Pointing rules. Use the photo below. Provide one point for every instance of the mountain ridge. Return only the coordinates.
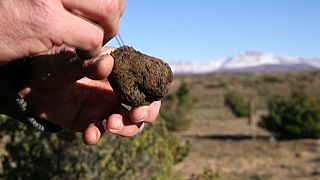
(248, 61)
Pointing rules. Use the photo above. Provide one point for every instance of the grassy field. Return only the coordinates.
(232, 149)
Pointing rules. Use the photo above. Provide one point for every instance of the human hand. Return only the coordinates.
(75, 94)
(29, 27)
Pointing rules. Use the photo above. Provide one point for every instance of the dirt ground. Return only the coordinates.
(228, 148)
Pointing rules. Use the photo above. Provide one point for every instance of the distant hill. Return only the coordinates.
(250, 61)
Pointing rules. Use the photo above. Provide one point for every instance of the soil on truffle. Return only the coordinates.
(138, 79)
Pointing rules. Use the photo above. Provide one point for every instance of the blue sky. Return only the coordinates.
(191, 30)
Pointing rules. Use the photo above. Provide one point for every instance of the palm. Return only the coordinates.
(75, 106)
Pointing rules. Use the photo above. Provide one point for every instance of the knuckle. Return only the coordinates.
(95, 41)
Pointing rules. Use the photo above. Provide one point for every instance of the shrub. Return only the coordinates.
(176, 108)
(207, 174)
(296, 116)
(33, 154)
(180, 149)
(236, 103)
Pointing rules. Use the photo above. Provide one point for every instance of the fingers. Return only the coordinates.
(100, 67)
(80, 33)
(61, 67)
(83, 54)
(106, 13)
(96, 68)
(121, 124)
(91, 134)
(124, 123)
(146, 113)
(131, 123)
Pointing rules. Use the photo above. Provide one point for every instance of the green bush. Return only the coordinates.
(207, 174)
(176, 108)
(180, 149)
(296, 116)
(33, 154)
(237, 104)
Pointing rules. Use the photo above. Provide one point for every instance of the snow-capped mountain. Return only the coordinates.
(250, 61)
(196, 67)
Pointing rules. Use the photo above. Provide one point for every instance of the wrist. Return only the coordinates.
(12, 77)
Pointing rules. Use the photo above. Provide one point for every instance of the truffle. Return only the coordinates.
(138, 79)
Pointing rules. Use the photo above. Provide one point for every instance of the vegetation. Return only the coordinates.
(26, 153)
(297, 116)
(176, 109)
(207, 174)
(151, 155)
(63, 155)
(237, 103)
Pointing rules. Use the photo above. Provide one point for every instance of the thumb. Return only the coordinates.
(100, 67)
(62, 66)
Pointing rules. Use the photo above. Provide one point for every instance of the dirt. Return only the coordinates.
(226, 145)
(138, 79)
(229, 149)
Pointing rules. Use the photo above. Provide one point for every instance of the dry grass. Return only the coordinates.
(225, 144)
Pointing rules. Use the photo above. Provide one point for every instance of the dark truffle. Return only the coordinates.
(138, 79)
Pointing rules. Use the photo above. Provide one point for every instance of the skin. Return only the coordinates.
(76, 96)
(30, 27)
(72, 101)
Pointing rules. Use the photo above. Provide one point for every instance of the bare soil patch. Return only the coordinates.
(228, 149)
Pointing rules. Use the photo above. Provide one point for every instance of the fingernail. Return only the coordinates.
(116, 125)
(95, 137)
(143, 115)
